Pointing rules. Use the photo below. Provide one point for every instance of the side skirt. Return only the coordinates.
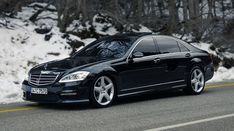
(151, 90)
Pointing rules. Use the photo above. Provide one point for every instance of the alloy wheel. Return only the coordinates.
(197, 80)
(103, 90)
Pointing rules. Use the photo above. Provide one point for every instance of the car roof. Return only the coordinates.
(139, 35)
(132, 34)
(147, 34)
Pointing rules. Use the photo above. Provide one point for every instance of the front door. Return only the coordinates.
(143, 71)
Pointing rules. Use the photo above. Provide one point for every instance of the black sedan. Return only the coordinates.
(118, 66)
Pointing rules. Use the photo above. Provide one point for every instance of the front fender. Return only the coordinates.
(110, 72)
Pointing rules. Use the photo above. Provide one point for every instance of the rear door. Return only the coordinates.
(174, 57)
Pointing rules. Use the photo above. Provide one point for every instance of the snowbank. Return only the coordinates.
(223, 74)
(20, 50)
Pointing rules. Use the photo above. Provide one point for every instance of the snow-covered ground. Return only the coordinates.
(21, 48)
(223, 74)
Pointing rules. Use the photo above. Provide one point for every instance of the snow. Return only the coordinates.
(20, 50)
(223, 74)
(229, 13)
(88, 40)
(43, 5)
(180, 12)
(99, 27)
(142, 29)
(76, 26)
(185, 37)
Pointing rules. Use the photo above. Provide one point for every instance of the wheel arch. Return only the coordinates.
(193, 62)
(112, 74)
(196, 62)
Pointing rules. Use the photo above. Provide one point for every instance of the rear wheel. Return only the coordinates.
(103, 92)
(196, 81)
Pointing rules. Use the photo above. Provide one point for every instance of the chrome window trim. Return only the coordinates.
(140, 39)
(133, 49)
(155, 42)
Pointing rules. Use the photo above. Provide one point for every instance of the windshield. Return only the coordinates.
(106, 49)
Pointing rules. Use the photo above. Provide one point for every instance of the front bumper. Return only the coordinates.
(57, 93)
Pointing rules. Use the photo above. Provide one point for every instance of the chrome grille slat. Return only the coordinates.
(32, 81)
(43, 78)
(44, 81)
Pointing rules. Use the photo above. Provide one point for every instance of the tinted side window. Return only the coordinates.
(167, 45)
(146, 46)
(183, 48)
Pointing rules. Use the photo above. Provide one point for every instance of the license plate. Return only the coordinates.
(42, 91)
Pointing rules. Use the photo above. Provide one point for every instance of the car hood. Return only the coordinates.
(68, 63)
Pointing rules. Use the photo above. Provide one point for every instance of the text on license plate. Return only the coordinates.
(39, 91)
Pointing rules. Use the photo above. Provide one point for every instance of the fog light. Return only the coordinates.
(68, 93)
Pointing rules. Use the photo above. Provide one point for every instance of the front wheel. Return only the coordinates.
(102, 92)
(196, 81)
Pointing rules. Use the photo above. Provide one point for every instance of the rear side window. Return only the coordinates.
(146, 46)
(167, 45)
(183, 48)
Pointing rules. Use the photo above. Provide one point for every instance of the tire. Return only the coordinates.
(195, 81)
(102, 92)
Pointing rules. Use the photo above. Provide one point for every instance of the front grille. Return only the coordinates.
(43, 77)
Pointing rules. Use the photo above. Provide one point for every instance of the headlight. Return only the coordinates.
(76, 76)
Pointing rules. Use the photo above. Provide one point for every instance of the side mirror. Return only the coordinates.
(137, 54)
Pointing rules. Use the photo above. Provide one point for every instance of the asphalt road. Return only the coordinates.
(211, 111)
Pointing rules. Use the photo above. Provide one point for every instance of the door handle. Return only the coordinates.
(157, 60)
(187, 55)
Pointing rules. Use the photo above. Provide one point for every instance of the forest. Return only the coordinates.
(206, 20)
